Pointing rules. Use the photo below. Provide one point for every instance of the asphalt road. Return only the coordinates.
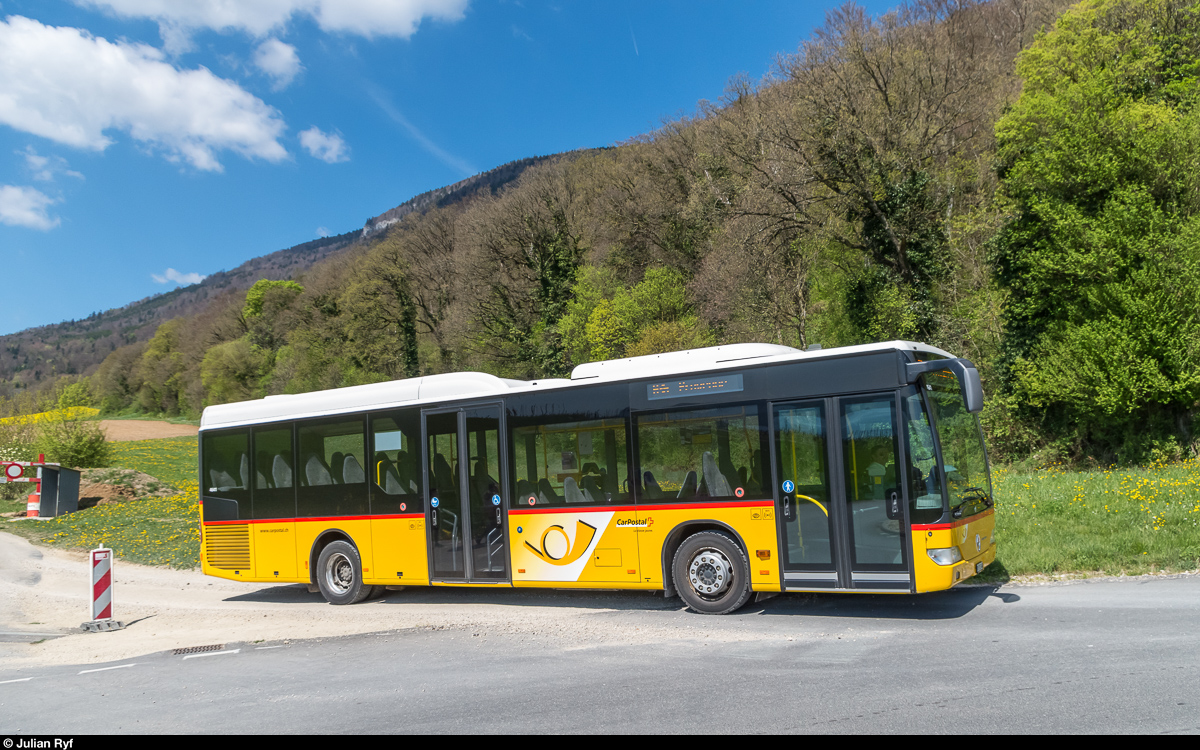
(1089, 657)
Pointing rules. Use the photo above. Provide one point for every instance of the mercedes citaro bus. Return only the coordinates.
(710, 473)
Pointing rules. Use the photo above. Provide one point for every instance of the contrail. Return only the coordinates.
(443, 156)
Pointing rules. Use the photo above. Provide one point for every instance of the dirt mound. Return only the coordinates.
(107, 486)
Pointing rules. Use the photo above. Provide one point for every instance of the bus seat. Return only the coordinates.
(591, 489)
(688, 488)
(571, 490)
(316, 472)
(261, 480)
(525, 490)
(245, 472)
(725, 466)
(352, 472)
(443, 477)
(651, 486)
(718, 485)
(281, 470)
(547, 492)
(391, 483)
(591, 467)
(222, 481)
(336, 462)
(406, 473)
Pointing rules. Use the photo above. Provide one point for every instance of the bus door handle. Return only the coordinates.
(434, 519)
(787, 507)
(893, 505)
(498, 522)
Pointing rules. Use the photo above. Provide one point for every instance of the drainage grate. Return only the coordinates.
(197, 649)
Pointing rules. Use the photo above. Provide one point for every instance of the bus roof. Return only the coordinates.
(460, 385)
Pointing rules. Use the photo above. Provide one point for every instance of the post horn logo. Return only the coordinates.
(557, 549)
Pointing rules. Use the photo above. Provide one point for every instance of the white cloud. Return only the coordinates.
(26, 207)
(324, 232)
(278, 60)
(179, 278)
(63, 84)
(328, 147)
(46, 168)
(369, 18)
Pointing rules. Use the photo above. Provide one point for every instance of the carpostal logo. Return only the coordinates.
(635, 523)
(557, 549)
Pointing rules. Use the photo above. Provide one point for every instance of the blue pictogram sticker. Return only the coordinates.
(434, 502)
(788, 486)
(495, 499)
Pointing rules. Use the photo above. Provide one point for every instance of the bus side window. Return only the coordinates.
(329, 461)
(570, 462)
(226, 475)
(274, 493)
(394, 471)
(705, 454)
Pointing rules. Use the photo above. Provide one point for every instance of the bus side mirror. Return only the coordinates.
(963, 370)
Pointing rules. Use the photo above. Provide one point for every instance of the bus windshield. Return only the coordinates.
(963, 455)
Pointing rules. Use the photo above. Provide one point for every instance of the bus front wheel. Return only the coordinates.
(339, 574)
(711, 573)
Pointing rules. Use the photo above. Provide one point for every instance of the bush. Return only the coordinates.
(81, 445)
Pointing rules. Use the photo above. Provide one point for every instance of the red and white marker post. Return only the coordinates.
(102, 593)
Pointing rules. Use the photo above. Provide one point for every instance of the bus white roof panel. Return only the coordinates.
(451, 386)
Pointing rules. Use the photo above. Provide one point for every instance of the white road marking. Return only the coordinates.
(105, 669)
(211, 653)
(23, 679)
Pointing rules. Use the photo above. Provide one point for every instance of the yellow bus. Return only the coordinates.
(709, 474)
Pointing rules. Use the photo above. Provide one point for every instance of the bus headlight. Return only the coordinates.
(944, 555)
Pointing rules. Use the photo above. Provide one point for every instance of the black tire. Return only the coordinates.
(339, 574)
(711, 573)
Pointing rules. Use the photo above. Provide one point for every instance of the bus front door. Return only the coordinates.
(840, 504)
(465, 499)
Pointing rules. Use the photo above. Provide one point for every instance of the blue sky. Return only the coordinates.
(146, 143)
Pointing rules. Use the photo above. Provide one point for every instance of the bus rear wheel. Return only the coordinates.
(339, 574)
(711, 573)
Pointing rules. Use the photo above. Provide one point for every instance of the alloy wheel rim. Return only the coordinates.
(710, 573)
(339, 573)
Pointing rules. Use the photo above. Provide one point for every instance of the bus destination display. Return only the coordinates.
(693, 387)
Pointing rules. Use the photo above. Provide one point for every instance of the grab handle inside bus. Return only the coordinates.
(968, 378)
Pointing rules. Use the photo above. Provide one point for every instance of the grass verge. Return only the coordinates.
(154, 531)
(1104, 522)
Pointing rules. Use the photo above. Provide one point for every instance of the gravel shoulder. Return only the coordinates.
(44, 591)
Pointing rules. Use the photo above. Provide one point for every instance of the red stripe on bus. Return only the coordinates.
(519, 511)
(954, 525)
(315, 518)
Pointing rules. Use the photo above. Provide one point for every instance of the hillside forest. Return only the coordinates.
(1014, 181)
